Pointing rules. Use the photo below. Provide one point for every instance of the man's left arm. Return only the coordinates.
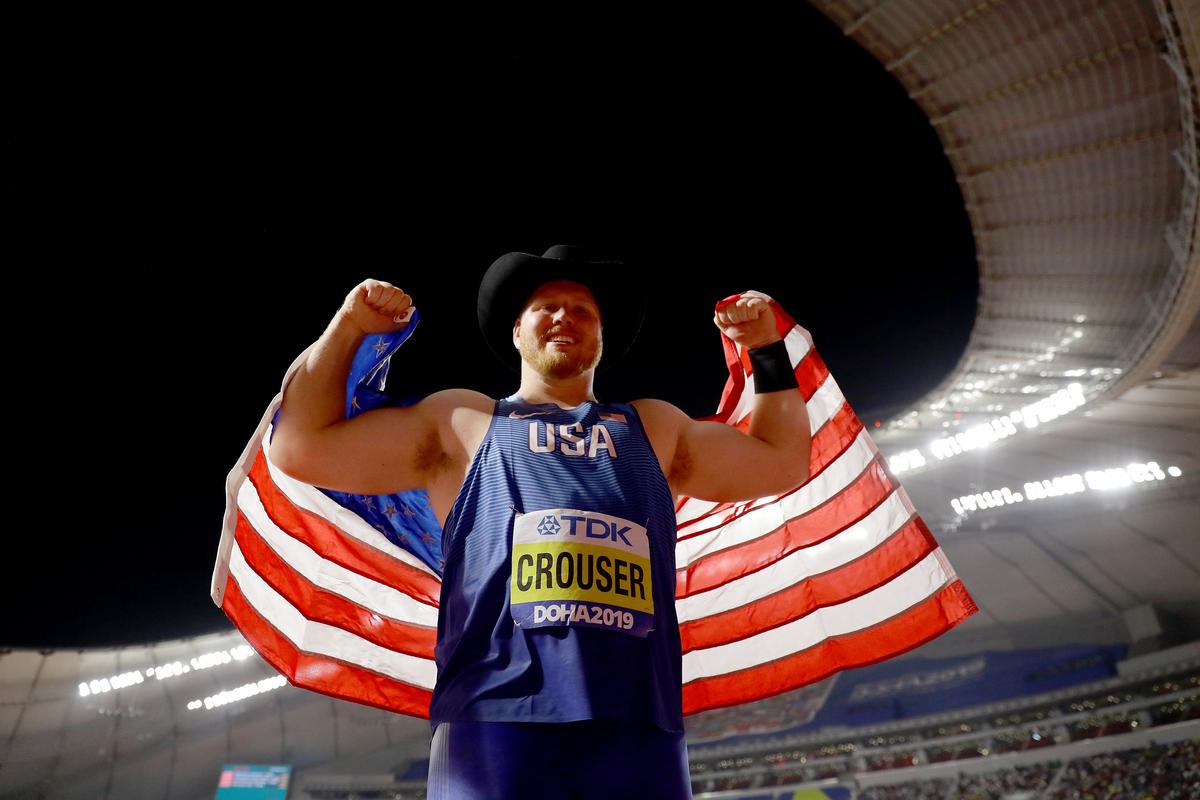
(714, 461)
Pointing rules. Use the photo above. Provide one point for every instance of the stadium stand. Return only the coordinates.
(1034, 726)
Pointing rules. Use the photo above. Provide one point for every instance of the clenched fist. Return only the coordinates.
(377, 307)
(748, 321)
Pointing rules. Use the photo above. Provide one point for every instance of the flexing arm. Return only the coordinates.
(713, 461)
(377, 452)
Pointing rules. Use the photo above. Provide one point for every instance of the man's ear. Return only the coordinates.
(516, 337)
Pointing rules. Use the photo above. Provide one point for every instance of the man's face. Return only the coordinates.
(558, 332)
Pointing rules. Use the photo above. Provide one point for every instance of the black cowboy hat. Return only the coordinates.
(512, 278)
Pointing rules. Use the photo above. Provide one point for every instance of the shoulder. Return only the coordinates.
(659, 413)
(460, 418)
(664, 423)
(447, 401)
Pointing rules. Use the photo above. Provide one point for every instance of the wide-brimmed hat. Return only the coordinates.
(512, 278)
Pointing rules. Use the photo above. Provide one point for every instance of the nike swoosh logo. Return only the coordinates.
(515, 415)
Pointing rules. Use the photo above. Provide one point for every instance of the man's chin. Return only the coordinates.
(559, 364)
(561, 367)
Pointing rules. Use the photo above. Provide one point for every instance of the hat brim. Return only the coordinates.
(513, 277)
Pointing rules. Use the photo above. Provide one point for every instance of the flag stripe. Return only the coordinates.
(313, 500)
(828, 442)
(319, 533)
(317, 638)
(713, 626)
(329, 575)
(904, 591)
(767, 565)
(869, 644)
(321, 673)
(329, 607)
(853, 451)
(833, 425)
(821, 497)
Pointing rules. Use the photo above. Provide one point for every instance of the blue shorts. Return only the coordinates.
(557, 761)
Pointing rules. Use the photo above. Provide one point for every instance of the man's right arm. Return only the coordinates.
(381, 451)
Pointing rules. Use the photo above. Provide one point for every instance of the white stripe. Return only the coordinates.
(919, 582)
(745, 399)
(826, 401)
(862, 537)
(797, 344)
(310, 498)
(831, 481)
(237, 475)
(325, 640)
(364, 591)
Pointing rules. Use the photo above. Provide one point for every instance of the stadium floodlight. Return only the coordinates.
(240, 693)
(163, 672)
(1064, 485)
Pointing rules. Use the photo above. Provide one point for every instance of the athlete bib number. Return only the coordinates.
(572, 567)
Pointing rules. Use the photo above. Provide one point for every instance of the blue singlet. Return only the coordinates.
(572, 617)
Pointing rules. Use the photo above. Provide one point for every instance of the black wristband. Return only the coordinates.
(772, 368)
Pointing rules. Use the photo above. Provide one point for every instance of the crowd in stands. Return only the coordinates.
(791, 709)
(1158, 772)
(775, 713)
(986, 786)
(1085, 717)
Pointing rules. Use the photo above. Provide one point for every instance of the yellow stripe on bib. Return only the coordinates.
(558, 570)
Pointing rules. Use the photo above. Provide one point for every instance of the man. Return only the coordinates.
(558, 648)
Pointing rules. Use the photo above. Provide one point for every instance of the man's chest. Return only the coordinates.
(535, 445)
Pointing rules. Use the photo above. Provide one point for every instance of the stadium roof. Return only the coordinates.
(1072, 129)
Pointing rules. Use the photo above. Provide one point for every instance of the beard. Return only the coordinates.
(555, 363)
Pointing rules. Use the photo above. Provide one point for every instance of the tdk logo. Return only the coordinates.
(587, 527)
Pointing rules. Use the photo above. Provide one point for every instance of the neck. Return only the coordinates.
(566, 392)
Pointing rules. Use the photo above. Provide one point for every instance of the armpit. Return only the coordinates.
(430, 457)
(681, 464)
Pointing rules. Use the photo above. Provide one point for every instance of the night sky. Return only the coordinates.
(191, 217)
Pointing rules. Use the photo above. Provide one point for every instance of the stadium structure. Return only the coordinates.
(1057, 464)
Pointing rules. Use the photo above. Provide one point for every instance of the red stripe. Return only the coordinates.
(830, 442)
(321, 673)
(325, 606)
(734, 386)
(338, 546)
(909, 629)
(830, 518)
(869, 571)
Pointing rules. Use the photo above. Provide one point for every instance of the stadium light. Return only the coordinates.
(242, 692)
(162, 672)
(1063, 485)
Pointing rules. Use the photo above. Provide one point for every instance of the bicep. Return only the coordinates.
(717, 462)
(382, 451)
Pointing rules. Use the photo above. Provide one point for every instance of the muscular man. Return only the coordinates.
(558, 649)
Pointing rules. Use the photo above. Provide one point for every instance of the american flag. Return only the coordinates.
(340, 592)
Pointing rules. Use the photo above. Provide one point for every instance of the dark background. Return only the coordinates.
(188, 217)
